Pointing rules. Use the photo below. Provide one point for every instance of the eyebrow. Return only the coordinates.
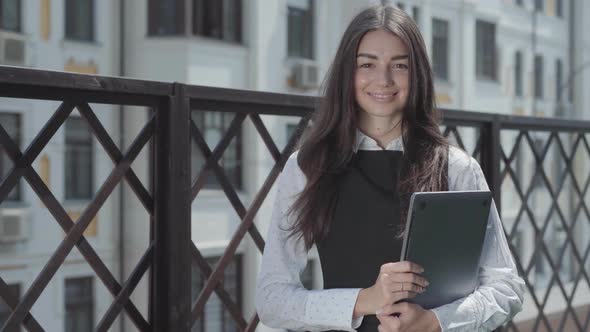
(374, 57)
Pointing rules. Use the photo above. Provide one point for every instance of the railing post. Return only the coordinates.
(491, 158)
(490, 163)
(171, 278)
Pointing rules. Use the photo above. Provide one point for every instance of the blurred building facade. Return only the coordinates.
(520, 57)
(64, 36)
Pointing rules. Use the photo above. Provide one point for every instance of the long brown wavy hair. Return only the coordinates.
(327, 144)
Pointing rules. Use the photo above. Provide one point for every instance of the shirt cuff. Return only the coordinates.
(333, 309)
(457, 316)
(436, 313)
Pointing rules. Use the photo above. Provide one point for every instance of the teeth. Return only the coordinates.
(376, 95)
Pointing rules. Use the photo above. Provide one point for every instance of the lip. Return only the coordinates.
(383, 96)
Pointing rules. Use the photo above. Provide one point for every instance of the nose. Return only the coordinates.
(386, 77)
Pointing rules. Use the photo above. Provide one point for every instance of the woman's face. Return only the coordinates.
(381, 79)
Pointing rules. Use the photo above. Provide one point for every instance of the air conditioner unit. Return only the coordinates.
(305, 74)
(12, 49)
(13, 225)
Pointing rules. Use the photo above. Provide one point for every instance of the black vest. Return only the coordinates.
(362, 234)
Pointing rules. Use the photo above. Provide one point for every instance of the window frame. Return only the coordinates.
(559, 8)
(154, 21)
(19, 17)
(71, 193)
(15, 194)
(308, 30)
(443, 75)
(559, 87)
(194, 23)
(88, 302)
(485, 35)
(71, 32)
(416, 13)
(237, 17)
(199, 117)
(539, 74)
(518, 74)
(200, 324)
(14, 288)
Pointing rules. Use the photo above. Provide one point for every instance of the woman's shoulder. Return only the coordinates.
(292, 173)
(460, 159)
(292, 165)
(464, 171)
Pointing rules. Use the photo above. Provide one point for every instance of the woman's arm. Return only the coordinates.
(500, 290)
(281, 299)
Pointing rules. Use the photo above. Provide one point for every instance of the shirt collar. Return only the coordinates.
(364, 142)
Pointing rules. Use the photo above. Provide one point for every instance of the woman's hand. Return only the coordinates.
(412, 318)
(396, 281)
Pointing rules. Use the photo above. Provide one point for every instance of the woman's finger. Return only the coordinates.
(403, 266)
(389, 323)
(398, 296)
(407, 287)
(397, 308)
(391, 278)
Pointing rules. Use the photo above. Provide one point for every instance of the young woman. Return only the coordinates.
(373, 141)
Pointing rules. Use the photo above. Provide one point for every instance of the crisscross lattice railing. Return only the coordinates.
(509, 149)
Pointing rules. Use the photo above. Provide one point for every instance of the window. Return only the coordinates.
(291, 129)
(539, 76)
(213, 126)
(79, 159)
(539, 5)
(559, 88)
(218, 19)
(11, 124)
(416, 15)
(518, 84)
(79, 301)
(166, 17)
(440, 48)
(300, 31)
(554, 239)
(486, 54)
(80, 20)
(517, 243)
(10, 15)
(538, 182)
(215, 316)
(559, 8)
(5, 310)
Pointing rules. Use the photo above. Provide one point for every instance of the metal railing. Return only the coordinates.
(169, 202)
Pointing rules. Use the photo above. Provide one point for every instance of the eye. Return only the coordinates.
(366, 65)
(400, 66)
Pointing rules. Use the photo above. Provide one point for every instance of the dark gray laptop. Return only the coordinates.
(444, 234)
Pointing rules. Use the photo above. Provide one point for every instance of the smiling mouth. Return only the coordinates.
(383, 97)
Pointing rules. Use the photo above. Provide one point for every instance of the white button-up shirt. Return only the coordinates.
(283, 302)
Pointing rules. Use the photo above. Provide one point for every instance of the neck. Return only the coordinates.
(381, 129)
